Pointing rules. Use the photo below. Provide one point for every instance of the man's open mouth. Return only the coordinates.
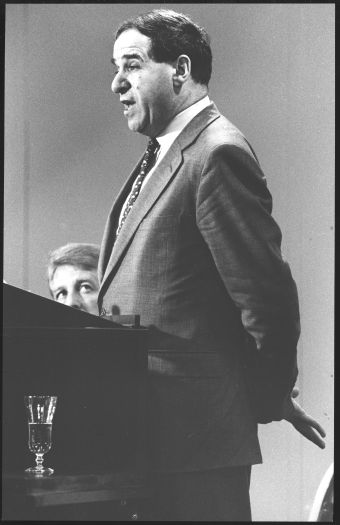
(127, 105)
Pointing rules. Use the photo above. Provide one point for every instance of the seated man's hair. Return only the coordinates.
(173, 34)
(83, 255)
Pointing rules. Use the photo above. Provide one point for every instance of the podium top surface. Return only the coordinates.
(23, 308)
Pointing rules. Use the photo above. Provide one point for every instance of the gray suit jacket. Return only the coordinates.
(199, 259)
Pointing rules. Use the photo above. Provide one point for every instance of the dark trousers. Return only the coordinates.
(214, 495)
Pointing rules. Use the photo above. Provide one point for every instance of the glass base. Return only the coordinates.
(44, 471)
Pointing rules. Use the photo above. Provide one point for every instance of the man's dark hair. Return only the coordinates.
(173, 34)
(83, 255)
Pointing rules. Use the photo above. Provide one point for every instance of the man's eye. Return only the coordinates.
(85, 287)
(127, 68)
(60, 295)
(132, 66)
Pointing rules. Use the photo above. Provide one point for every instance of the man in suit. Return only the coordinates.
(191, 246)
(72, 273)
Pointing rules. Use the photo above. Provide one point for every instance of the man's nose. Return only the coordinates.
(120, 84)
(73, 299)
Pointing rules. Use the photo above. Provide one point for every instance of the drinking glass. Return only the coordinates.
(40, 411)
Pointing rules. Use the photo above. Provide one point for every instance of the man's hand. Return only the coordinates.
(305, 424)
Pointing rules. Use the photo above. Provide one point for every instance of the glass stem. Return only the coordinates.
(39, 458)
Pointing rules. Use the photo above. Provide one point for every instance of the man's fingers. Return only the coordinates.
(319, 428)
(305, 424)
(310, 434)
(305, 419)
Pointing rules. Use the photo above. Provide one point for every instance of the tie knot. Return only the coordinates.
(149, 156)
(152, 147)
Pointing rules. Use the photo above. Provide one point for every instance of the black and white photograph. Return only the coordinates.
(168, 262)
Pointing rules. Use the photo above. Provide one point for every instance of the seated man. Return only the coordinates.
(72, 276)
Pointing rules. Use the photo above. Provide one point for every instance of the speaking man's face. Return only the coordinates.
(145, 87)
(76, 287)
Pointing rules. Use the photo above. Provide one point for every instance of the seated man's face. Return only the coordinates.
(76, 287)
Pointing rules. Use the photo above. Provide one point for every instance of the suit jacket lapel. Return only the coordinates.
(109, 235)
(162, 176)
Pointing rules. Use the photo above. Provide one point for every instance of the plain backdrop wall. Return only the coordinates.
(68, 151)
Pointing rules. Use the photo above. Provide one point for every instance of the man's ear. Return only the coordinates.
(182, 70)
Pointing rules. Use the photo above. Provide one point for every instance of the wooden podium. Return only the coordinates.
(98, 370)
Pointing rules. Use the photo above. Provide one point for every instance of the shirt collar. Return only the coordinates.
(179, 122)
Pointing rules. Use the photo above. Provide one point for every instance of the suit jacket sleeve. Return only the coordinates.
(234, 216)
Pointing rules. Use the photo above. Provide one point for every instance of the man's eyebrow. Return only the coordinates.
(59, 289)
(91, 279)
(128, 56)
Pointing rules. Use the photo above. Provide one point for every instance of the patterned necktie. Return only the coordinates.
(148, 159)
